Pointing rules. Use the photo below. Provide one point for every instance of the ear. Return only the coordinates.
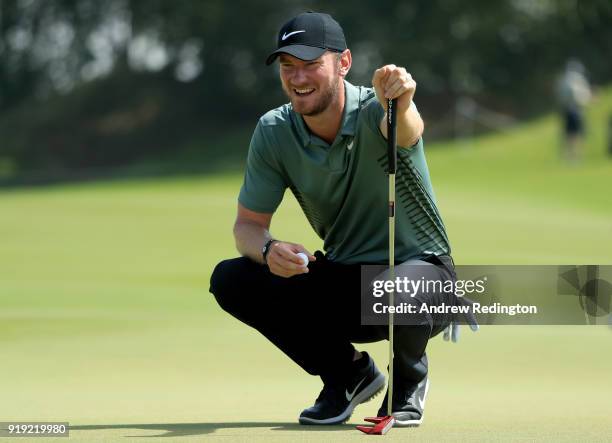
(345, 62)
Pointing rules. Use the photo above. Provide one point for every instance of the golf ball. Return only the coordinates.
(304, 257)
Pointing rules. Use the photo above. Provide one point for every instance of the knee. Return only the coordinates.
(228, 280)
(221, 283)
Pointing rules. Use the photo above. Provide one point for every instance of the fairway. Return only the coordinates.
(106, 321)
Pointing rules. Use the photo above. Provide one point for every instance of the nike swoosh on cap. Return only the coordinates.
(285, 36)
(350, 396)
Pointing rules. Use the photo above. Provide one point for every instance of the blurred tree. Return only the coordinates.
(86, 82)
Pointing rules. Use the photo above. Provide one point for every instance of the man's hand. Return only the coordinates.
(282, 259)
(392, 81)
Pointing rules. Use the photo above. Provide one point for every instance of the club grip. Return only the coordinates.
(392, 134)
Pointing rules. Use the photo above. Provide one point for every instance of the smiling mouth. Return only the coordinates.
(303, 92)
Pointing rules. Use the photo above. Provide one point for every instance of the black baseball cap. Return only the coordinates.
(308, 36)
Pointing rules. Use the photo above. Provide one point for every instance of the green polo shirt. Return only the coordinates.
(343, 187)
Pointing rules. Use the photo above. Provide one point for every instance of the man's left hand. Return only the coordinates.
(392, 81)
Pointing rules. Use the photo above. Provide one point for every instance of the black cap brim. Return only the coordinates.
(302, 52)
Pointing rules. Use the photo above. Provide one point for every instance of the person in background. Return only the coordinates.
(573, 94)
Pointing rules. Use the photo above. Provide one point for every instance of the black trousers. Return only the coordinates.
(314, 318)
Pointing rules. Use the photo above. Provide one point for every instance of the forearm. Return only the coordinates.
(410, 127)
(250, 239)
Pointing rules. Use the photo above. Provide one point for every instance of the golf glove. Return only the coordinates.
(451, 332)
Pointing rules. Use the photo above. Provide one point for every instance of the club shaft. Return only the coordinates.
(391, 277)
(392, 152)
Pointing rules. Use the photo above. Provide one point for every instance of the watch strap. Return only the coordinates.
(266, 249)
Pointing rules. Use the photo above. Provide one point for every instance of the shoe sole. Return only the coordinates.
(412, 423)
(408, 423)
(367, 394)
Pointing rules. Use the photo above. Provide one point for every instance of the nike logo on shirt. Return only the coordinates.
(286, 36)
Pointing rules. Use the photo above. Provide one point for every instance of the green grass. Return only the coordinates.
(106, 320)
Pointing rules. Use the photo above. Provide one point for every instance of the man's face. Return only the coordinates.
(310, 85)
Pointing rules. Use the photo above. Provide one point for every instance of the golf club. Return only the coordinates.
(383, 424)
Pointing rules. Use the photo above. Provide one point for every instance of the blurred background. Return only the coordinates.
(90, 87)
(124, 128)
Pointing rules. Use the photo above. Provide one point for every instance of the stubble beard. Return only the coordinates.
(327, 98)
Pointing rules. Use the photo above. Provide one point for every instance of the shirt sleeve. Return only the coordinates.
(374, 112)
(264, 184)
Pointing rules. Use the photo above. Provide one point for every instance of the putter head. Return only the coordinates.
(381, 425)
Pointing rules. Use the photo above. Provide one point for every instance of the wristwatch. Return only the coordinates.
(266, 249)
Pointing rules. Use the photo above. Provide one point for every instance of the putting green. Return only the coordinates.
(106, 321)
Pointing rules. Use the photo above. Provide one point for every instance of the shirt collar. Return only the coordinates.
(349, 116)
